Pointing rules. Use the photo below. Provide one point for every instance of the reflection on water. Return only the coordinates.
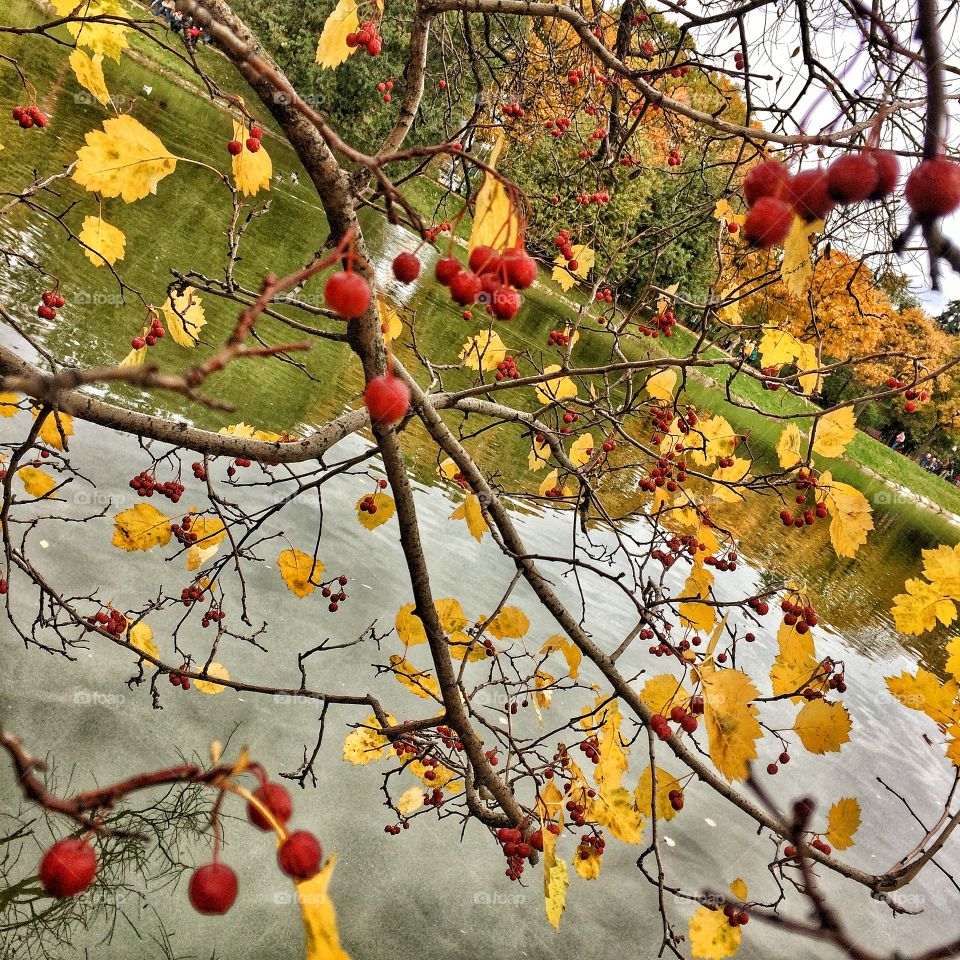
(425, 894)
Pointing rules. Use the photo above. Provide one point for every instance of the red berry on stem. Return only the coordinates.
(888, 169)
(406, 267)
(933, 188)
(446, 269)
(347, 293)
(387, 399)
(852, 177)
(484, 260)
(253, 145)
(256, 133)
(234, 148)
(811, 198)
(68, 868)
(521, 269)
(464, 287)
(506, 303)
(767, 223)
(213, 888)
(768, 179)
(300, 854)
(276, 799)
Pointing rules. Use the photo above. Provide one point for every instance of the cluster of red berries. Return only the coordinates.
(558, 338)
(673, 159)
(570, 416)
(51, 301)
(591, 844)
(661, 418)
(178, 678)
(190, 595)
(385, 87)
(791, 851)
(367, 36)
(585, 199)
(575, 77)
(108, 621)
(513, 110)
(30, 117)
(516, 849)
(735, 917)
(335, 598)
(235, 147)
(685, 718)
(910, 396)
(738, 60)
(491, 277)
(759, 606)
(647, 49)
(153, 333)
(431, 233)
(662, 474)
(199, 472)
(661, 323)
(591, 748)
(681, 70)
(557, 127)
(639, 18)
(729, 562)
(449, 738)
(369, 504)
(433, 798)
(146, 486)
(214, 615)
(807, 486)
(800, 616)
(773, 768)
(834, 675)
(240, 462)
(562, 242)
(604, 296)
(577, 811)
(507, 369)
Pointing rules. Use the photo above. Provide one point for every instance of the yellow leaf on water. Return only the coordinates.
(385, 509)
(570, 651)
(55, 427)
(823, 727)
(700, 616)
(790, 676)
(37, 483)
(922, 607)
(89, 72)
(711, 936)
(661, 385)
(185, 317)
(796, 268)
(556, 388)
(495, 221)
(141, 637)
(788, 446)
(834, 432)
(842, 822)
(484, 351)
(471, 512)
(319, 916)
(365, 744)
(666, 783)
(941, 566)
(208, 686)
(98, 36)
(106, 243)
(420, 682)
(141, 527)
(332, 49)
(923, 691)
(123, 160)
(251, 171)
(299, 571)
(731, 720)
(510, 623)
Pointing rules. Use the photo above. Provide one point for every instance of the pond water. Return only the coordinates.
(429, 893)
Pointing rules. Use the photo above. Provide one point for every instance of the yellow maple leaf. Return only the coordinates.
(365, 744)
(471, 512)
(385, 509)
(788, 446)
(834, 432)
(712, 438)
(666, 783)
(332, 49)
(319, 916)
(796, 268)
(556, 388)
(711, 936)
(662, 692)
(37, 483)
(89, 72)
(851, 516)
(495, 222)
(661, 385)
(421, 682)
(484, 351)
(511, 623)
(778, 347)
(731, 720)
(140, 528)
(55, 428)
(123, 160)
(570, 651)
(941, 566)
(100, 37)
(585, 258)
(842, 822)
(823, 727)
(251, 171)
(807, 359)
(103, 242)
(298, 570)
(923, 691)
(185, 317)
(208, 686)
(141, 637)
(922, 607)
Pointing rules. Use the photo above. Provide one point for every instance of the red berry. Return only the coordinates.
(464, 287)
(446, 269)
(767, 223)
(213, 888)
(406, 267)
(888, 169)
(521, 269)
(768, 179)
(48, 313)
(138, 343)
(68, 868)
(852, 177)
(300, 854)
(256, 133)
(810, 196)
(234, 148)
(387, 399)
(276, 799)
(933, 188)
(484, 260)
(253, 145)
(506, 303)
(347, 293)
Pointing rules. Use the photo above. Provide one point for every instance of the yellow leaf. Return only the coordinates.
(616, 809)
(662, 692)
(834, 432)
(661, 385)
(471, 512)
(463, 645)
(698, 615)
(543, 695)
(420, 682)
(55, 427)
(210, 533)
(778, 347)
(797, 268)
(411, 801)
(713, 437)
(409, 626)
(208, 686)
(123, 160)
(537, 459)
(332, 49)
(739, 889)
(363, 745)
(494, 219)
(851, 516)
(385, 509)
(788, 446)
(581, 450)
(391, 326)
(552, 482)
(141, 637)
(570, 651)
(612, 763)
(140, 528)
(89, 73)
(106, 243)
(237, 430)
(734, 474)
(37, 483)
(251, 171)
(555, 389)
(510, 623)
(484, 351)
(731, 721)
(298, 570)
(319, 916)
(921, 607)
(795, 647)
(448, 469)
(450, 614)
(666, 783)
(925, 692)
(565, 277)
(586, 861)
(807, 359)
(8, 404)
(823, 727)
(108, 39)
(942, 567)
(711, 936)
(185, 316)
(789, 676)
(842, 823)
(556, 879)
